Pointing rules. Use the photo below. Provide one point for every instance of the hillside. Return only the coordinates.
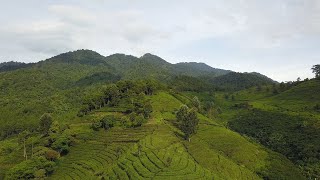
(286, 122)
(50, 85)
(198, 69)
(154, 151)
(239, 81)
(80, 115)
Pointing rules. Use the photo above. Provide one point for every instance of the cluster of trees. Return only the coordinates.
(11, 66)
(41, 149)
(111, 95)
(109, 121)
(139, 115)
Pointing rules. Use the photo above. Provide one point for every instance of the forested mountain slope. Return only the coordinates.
(238, 81)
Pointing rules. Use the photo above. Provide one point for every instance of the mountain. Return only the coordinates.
(153, 66)
(115, 117)
(238, 81)
(198, 69)
(147, 66)
(50, 84)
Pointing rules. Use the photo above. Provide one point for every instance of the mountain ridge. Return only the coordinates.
(122, 62)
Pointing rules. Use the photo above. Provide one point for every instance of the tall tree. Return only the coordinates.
(45, 123)
(112, 94)
(316, 70)
(23, 136)
(188, 121)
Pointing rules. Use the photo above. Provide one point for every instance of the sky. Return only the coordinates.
(278, 38)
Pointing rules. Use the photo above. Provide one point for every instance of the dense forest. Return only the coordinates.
(81, 115)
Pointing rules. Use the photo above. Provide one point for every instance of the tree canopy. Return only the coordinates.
(188, 120)
(316, 70)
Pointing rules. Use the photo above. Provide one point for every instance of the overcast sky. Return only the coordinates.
(278, 38)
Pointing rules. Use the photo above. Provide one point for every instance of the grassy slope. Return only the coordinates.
(229, 152)
(288, 115)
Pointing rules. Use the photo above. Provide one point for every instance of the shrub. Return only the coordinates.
(45, 123)
(244, 105)
(108, 122)
(138, 121)
(31, 168)
(96, 125)
(62, 144)
(51, 155)
(125, 122)
(147, 110)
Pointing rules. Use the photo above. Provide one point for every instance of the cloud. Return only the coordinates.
(234, 32)
(73, 14)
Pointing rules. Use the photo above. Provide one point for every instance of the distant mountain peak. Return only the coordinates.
(150, 58)
(82, 56)
(148, 55)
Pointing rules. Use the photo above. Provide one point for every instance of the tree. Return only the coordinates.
(298, 79)
(45, 123)
(196, 103)
(182, 113)
(51, 155)
(138, 121)
(316, 70)
(62, 144)
(23, 136)
(147, 109)
(96, 125)
(32, 140)
(188, 121)
(108, 122)
(112, 94)
(226, 96)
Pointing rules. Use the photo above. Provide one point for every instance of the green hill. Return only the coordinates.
(198, 69)
(238, 81)
(80, 115)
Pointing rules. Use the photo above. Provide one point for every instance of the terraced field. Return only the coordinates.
(160, 155)
(157, 151)
(89, 158)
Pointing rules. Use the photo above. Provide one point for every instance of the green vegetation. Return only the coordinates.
(239, 81)
(316, 70)
(188, 121)
(80, 115)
